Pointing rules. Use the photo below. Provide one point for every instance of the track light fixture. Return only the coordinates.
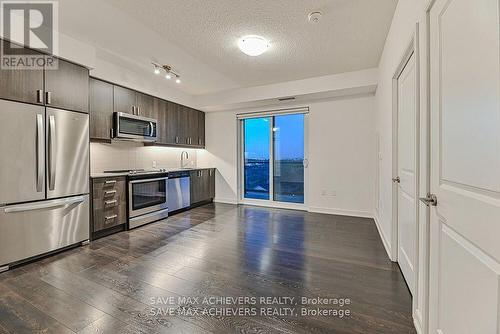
(169, 72)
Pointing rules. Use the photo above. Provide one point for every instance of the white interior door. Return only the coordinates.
(407, 194)
(465, 167)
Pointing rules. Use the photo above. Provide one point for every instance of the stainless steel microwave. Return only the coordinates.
(133, 127)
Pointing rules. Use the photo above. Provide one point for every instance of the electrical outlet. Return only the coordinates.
(154, 163)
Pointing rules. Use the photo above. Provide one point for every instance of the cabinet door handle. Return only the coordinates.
(110, 192)
(39, 96)
(177, 139)
(113, 202)
(110, 182)
(48, 97)
(133, 110)
(110, 217)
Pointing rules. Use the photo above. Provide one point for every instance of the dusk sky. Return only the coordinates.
(289, 137)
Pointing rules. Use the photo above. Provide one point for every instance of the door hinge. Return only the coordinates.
(430, 200)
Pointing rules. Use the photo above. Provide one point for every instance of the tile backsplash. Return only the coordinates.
(131, 155)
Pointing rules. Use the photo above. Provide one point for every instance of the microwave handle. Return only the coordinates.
(152, 129)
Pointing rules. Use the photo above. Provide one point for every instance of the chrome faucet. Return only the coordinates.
(183, 164)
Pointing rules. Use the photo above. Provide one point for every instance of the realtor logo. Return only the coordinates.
(31, 27)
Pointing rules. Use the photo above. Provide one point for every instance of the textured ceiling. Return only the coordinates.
(350, 36)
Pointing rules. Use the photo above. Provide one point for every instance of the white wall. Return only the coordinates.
(342, 155)
(404, 27)
(398, 40)
(131, 155)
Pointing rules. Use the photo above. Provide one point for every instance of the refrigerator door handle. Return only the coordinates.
(52, 152)
(45, 205)
(39, 152)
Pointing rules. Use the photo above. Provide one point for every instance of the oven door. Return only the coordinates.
(137, 128)
(147, 195)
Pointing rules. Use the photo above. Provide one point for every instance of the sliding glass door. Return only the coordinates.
(257, 154)
(273, 158)
(288, 158)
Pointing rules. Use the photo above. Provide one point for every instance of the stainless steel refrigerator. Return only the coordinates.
(44, 180)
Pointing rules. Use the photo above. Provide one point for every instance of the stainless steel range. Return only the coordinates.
(147, 196)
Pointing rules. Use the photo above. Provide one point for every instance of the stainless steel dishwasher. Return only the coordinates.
(178, 190)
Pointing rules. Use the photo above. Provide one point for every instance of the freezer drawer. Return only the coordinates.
(67, 153)
(22, 147)
(32, 229)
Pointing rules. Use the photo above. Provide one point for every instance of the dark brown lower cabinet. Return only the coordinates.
(202, 185)
(109, 204)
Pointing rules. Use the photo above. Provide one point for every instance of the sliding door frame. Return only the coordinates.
(241, 158)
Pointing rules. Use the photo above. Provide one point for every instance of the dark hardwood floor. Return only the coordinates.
(133, 282)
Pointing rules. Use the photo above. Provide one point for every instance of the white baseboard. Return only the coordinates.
(417, 325)
(387, 245)
(225, 200)
(341, 212)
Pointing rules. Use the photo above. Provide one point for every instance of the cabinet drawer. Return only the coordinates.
(104, 218)
(109, 205)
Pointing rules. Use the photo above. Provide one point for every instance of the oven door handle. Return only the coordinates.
(149, 180)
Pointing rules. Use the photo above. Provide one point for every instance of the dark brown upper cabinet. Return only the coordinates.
(125, 100)
(172, 124)
(132, 102)
(201, 129)
(101, 109)
(23, 85)
(144, 105)
(67, 87)
(178, 125)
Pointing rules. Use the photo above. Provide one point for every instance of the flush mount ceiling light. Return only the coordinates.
(169, 72)
(253, 45)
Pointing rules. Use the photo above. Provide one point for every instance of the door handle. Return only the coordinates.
(430, 200)
(110, 192)
(39, 152)
(48, 97)
(52, 152)
(305, 163)
(110, 217)
(39, 96)
(45, 205)
(396, 179)
(110, 182)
